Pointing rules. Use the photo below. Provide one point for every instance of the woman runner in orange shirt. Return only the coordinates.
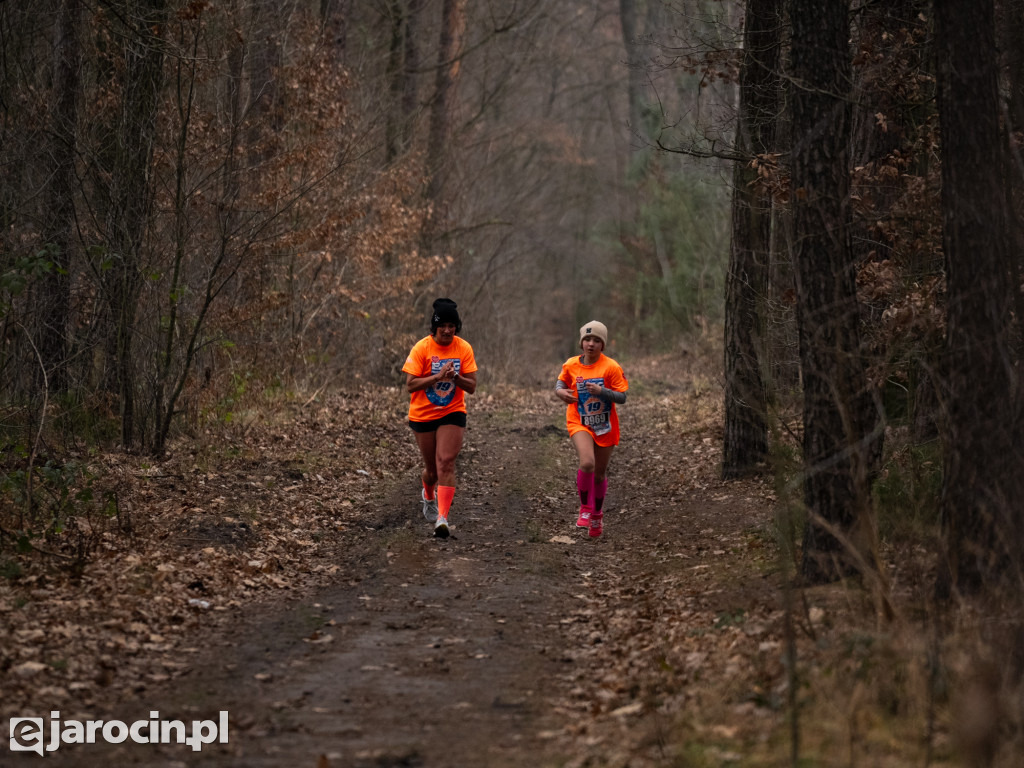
(439, 371)
(591, 385)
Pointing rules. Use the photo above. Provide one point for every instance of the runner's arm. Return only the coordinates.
(608, 395)
(563, 393)
(612, 395)
(416, 383)
(466, 382)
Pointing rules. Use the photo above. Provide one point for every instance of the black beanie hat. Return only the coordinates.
(445, 311)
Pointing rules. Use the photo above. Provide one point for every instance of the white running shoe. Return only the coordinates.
(429, 506)
(441, 527)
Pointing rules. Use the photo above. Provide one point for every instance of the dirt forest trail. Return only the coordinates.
(518, 641)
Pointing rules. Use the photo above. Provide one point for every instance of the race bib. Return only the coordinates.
(595, 413)
(443, 392)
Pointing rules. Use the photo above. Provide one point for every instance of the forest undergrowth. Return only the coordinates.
(693, 647)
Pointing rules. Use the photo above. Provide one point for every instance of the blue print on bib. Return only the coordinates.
(595, 413)
(442, 393)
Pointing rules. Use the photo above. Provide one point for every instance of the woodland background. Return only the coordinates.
(210, 203)
(208, 207)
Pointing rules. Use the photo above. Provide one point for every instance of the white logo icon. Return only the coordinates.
(25, 731)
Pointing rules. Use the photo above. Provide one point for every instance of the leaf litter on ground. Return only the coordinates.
(676, 635)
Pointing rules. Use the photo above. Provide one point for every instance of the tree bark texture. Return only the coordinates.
(746, 432)
(835, 492)
(130, 191)
(396, 74)
(1010, 43)
(629, 19)
(981, 498)
(403, 79)
(61, 229)
(453, 24)
(410, 82)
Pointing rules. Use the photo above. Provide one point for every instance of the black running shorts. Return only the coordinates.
(458, 418)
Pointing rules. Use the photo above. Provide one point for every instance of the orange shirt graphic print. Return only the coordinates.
(595, 412)
(442, 393)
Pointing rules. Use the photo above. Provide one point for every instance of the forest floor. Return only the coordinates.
(281, 571)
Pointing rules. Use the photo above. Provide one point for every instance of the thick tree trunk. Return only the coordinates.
(453, 24)
(396, 85)
(835, 483)
(746, 432)
(131, 190)
(1010, 43)
(61, 228)
(402, 74)
(628, 18)
(981, 498)
(410, 82)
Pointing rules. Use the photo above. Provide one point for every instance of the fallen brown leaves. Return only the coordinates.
(245, 513)
(674, 630)
(677, 636)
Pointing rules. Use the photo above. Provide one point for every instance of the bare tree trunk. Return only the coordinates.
(982, 494)
(639, 20)
(131, 189)
(1010, 32)
(746, 432)
(453, 24)
(61, 227)
(835, 483)
(628, 18)
(410, 84)
(395, 75)
(1010, 42)
(403, 67)
(263, 56)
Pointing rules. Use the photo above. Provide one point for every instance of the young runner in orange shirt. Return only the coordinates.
(440, 370)
(591, 385)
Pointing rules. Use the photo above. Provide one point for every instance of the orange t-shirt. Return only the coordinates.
(593, 414)
(427, 358)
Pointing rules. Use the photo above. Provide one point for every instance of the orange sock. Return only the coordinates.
(445, 494)
(428, 492)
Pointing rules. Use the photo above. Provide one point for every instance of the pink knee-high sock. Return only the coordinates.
(600, 490)
(585, 486)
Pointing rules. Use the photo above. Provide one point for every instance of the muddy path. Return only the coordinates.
(433, 653)
(516, 642)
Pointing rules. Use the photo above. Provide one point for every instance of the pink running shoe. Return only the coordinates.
(596, 527)
(584, 519)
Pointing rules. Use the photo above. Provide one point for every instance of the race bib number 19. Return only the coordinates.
(443, 392)
(595, 413)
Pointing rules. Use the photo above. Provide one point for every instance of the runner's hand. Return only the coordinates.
(566, 395)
